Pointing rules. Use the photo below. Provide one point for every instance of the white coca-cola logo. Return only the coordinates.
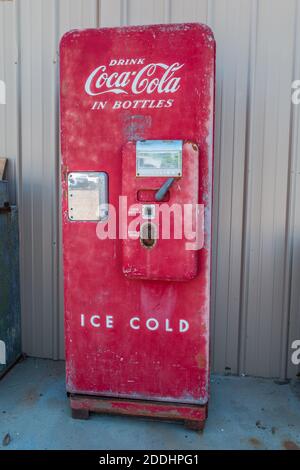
(153, 77)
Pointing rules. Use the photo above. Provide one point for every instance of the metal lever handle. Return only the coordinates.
(160, 194)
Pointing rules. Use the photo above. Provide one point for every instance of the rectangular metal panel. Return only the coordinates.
(38, 169)
(291, 307)
(9, 137)
(10, 315)
(232, 24)
(268, 190)
(87, 196)
(175, 258)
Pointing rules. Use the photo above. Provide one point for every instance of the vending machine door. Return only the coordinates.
(161, 182)
(137, 107)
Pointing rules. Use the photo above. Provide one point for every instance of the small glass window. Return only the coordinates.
(88, 196)
(159, 158)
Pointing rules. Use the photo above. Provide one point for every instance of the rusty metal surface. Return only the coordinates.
(5, 209)
(3, 193)
(10, 319)
(169, 411)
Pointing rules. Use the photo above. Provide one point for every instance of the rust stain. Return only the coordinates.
(290, 445)
(201, 360)
(32, 396)
(196, 415)
(64, 172)
(64, 89)
(193, 144)
(255, 442)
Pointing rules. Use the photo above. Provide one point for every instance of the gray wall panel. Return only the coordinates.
(291, 322)
(38, 62)
(8, 113)
(232, 28)
(267, 187)
(256, 245)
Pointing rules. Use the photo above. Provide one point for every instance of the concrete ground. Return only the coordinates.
(244, 413)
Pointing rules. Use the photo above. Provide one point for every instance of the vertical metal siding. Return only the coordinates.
(8, 73)
(291, 319)
(232, 27)
(256, 248)
(267, 182)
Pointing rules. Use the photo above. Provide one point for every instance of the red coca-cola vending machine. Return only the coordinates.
(137, 112)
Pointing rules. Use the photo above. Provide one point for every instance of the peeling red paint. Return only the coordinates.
(123, 362)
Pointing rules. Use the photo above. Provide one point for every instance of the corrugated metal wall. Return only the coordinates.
(8, 73)
(256, 259)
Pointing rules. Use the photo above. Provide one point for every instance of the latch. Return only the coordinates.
(5, 208)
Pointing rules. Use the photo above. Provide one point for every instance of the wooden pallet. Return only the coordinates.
(193, 416)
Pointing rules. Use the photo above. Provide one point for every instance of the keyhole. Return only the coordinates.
(148, 235)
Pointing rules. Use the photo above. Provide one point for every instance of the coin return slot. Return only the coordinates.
(148, 234)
